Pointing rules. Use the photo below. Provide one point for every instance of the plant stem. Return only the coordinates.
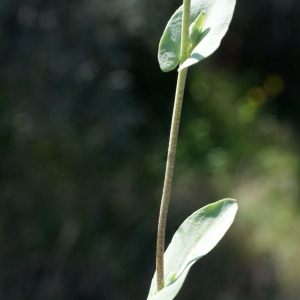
(172, 148)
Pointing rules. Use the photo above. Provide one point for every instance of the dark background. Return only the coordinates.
(84, 122)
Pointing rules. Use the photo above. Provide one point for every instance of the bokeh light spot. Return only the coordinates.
(273, 85)
(217, 159)
(256, 96)
(246, 113)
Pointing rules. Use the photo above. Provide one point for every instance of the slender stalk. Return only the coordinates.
(160, 247)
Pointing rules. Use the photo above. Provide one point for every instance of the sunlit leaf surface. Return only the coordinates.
(218, 17)
(196, 236)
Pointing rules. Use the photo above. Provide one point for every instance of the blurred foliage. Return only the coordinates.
(84, 121)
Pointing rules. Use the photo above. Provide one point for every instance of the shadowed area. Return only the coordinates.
(85, 116)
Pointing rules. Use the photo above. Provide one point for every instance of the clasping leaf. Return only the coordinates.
(196, 236)
(218, 15)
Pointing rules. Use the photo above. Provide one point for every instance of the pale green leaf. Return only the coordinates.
(196, 236)
(218, 17)
(169, 45)
(196, 28)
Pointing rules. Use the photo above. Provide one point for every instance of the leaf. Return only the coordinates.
(196, 236)
(196, 28)
(169, 45)
(218, 17)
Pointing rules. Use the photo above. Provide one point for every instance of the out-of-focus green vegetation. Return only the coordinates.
(84, 122)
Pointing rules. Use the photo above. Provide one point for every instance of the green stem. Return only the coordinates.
(172, 148)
